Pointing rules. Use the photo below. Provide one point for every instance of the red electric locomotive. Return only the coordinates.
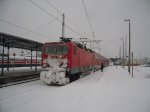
(65, 61)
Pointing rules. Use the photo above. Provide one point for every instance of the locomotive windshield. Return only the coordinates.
(55, 49)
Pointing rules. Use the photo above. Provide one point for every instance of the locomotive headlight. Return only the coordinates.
(44, 65)
(60, 56)
(64, 62)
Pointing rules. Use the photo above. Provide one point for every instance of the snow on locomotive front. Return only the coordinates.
(54, 63)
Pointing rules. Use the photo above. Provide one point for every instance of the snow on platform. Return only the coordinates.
(113, 90)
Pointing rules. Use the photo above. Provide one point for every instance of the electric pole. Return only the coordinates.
(63, 26)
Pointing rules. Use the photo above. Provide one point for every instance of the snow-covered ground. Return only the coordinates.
(113, 90)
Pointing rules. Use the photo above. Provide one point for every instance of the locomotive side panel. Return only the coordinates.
(81, 59)
(73, 59)
(98, 60)
(86, 60)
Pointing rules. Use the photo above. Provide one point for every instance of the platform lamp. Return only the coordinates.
(122, 51)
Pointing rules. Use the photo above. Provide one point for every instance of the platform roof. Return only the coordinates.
(19, 42)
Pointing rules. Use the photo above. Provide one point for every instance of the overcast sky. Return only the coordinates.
(25, 19)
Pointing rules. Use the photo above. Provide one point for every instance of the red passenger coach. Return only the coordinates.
(20, 61)
(65, 61)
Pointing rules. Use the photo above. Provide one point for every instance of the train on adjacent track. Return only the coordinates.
(20, 61)
(65, 61)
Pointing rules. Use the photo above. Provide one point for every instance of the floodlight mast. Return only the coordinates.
(129, 62)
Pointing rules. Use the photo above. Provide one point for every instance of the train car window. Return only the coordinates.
(75, 50)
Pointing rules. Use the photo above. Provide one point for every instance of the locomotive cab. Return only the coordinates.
(55, 55)
(54, 63)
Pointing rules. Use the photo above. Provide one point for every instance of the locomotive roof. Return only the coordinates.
(55, 43)
(78, 45)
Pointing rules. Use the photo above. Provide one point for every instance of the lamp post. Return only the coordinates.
(128, 20)
(125, 49)
(119, 53)
(122, 52)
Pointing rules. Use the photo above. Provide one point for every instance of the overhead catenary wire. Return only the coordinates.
(34, 30)
(44, 24)
(23, 28)
(88, 18)
(53, 7)
(53, 17)
(77, 26)
(58, 11)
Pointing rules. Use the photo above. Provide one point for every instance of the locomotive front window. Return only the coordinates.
(56, 50)
(50, 50)
(65, 49)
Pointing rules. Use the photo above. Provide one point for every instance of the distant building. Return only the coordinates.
(116, 61)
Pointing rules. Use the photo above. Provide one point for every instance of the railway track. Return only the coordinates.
(19, 82)
(18, 78)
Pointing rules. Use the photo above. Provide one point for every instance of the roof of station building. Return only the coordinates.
(13, 41)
